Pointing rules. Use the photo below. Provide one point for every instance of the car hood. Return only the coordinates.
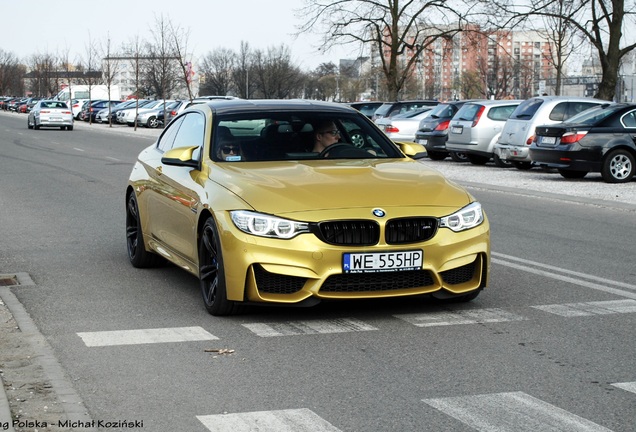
(299, 186)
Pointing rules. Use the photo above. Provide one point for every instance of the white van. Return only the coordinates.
(95, 92)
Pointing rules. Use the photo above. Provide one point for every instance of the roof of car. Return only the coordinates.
(221, 106)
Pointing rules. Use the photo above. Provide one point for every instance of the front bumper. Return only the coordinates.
(291, 271)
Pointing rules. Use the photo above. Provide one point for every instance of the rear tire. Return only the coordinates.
(571, 174)
(477, 159)
(434, 155)
(618, 167)
(523, 166)
(458, 156)
(500, 162)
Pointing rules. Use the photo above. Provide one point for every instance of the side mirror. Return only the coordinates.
(411, 149)
(181, 156)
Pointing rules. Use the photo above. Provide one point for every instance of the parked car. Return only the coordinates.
(21, 106)
(389, 109)
(476, 127)
(128, 115)
(50, 113)
(600, 139)
(402, 127)
(77, 105)
(90, 112)
(31, 103)
(175, 110)
(367, 108)
(154, 118)
(514, 142)
(102, 116)
(273, 221)
(432, 131)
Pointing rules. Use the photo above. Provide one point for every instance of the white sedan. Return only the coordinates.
(50, 113)
(402, 127)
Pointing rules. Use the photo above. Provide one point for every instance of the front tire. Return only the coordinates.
(152, 123)
(137, 254)
(212, 272)
(458, 157)
(618, 167)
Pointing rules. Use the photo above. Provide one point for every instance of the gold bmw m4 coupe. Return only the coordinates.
(292, 202)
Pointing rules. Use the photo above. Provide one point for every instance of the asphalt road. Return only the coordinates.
(548, 346)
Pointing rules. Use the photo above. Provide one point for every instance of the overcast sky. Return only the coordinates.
(45, 26)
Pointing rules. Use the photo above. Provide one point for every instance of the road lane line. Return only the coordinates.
(470, 316)
(590, 308)
(292, 328)
(512, 412)
(627, 386)
(145, 336)
(78, 149)
(615, 291)
(113, 159)
(290, 420)
(565, 271)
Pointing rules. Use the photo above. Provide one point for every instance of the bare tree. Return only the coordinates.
(11, 73)
(217, 68)
(397, 31)
(43, 74)
(600, 22)
(275, 76)
(91, 64)
(241, 71)
(179, 41)
(161, 73)
(133, 52)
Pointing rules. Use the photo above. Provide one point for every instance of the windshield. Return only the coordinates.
(298, 135)
(527, 109)
(443, 111)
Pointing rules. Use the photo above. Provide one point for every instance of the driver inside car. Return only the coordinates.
(325, 134)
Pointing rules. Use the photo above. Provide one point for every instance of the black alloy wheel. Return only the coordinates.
(137, 253)
(458, 156)
(212, 272)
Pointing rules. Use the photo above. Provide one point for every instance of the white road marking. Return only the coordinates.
(590, 308)
(343, 325)
(471, 316)
(627, 386)
(78, 149)
(145, 336)
(113, 159)
(512, 412)
(291, 420)
(579, 280)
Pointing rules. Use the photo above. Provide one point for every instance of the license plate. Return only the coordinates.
(548, 140)
(56, 119)
(457, 129)
(382, 261)
(422, 141)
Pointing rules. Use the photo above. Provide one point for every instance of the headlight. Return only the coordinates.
(466, 218)
(267, 226)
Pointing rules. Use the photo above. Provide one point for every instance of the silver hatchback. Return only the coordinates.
(475, 128)
(514, 142)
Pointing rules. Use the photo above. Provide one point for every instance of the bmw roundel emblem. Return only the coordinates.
(379, 213)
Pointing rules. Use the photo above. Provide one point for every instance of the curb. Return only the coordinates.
(5, 410)
(69, 399)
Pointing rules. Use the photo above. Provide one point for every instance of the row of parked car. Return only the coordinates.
(18, 104)
(574, 135)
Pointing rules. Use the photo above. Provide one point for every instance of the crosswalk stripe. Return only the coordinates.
(627, 386)
(512, 412)
(291, 328)
(291, 420)
(590, 308)
(145, 336)
(470, 316)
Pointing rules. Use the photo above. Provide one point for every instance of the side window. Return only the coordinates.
(167, 138)
(559, 112)
(629, 119)
(577, 107)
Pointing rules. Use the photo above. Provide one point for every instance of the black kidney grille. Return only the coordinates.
(460, 274)
(273, 283)
(410, 230)
(349, 233)
(368, 282)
